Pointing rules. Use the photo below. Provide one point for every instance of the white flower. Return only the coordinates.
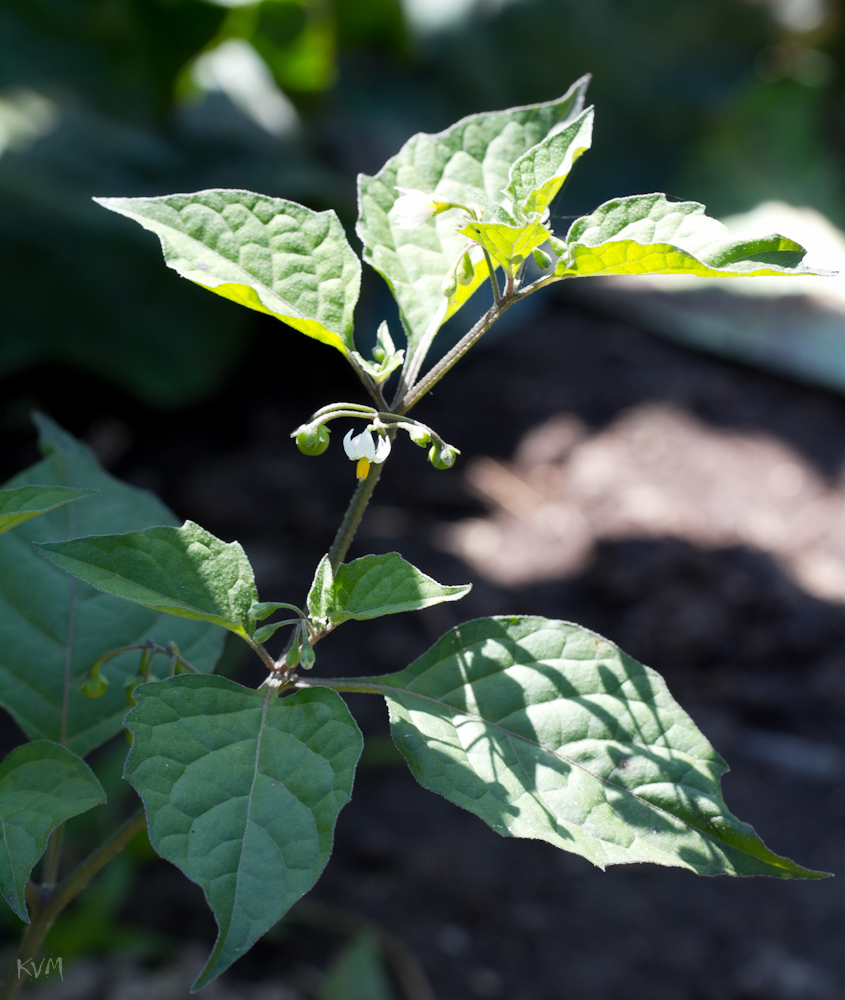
(364, 450)
(413, 207)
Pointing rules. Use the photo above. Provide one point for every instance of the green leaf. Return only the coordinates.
(42, 784)
(548, 731)
(357, 973)
(538, 175)
(373, 586)
(320, 594)
(242, 791)
(647, 234)
(185, 572)
(17, 506)
(53, 627)
(267, 254)
(467, 163)
(504, 243)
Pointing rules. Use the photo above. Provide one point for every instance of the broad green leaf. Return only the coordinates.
(504, 243)
(647, 234)
(373, 586)
(468, 163)
(242, 791)
(17, 506)
(357, 973)
(267, 254)
(538, 175)
(53, 627)
(185, 572)
(547, 731)
(42, 784)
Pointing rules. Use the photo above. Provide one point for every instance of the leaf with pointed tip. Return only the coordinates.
(319, 596)
(647, 234)
(265, 253)
(538, 175)
(242, 791)
(373, 586)
(548, 731)
(42, 784)
(507, 243)
(467, 163)
(185, 572)
(53, 627)
(17, 506)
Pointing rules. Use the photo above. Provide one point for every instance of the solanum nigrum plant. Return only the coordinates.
(541, 728)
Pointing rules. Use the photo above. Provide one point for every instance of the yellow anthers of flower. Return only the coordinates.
(413, 207)
(365, 451)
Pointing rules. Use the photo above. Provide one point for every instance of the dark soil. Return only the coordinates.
(688, 509)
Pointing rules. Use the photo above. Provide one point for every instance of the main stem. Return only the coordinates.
(46, 909)
(352, 518)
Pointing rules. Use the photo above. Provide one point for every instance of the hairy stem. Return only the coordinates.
(352, 517)
(45, 908)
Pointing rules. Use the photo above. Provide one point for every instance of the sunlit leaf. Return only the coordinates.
(545, 730)
(467, 163)
(265, 253)
(648, 234)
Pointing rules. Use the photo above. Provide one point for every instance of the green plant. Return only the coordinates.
(540, 727)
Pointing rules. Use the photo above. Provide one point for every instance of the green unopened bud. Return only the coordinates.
(313, 440)
(450, 284)
(466, 271)
(95, 686)
(442, 457)
(419, 435)
(516, 261)
(307, 656)
(542, 259)
(379, 353)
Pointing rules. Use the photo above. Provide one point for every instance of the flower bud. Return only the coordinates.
(442, 457)
(450, 284)
(95, 686)
(419, 435)
(466, 271)
(542, 259)
(313, 440)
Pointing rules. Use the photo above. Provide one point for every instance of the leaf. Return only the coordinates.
(42, 784)
(547, 731)
(373, 586)
(357, 973)
(17, 506)
(52, 627)
(320, 594)
(267, 254)
(185, 572)
(467, 163)
(505, 243)
(538, 175)
(242, 792)
(647, 234)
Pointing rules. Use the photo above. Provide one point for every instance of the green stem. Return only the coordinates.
(431, 379)
(352, 518)
(46, 909)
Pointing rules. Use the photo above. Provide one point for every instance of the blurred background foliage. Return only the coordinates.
(728, 102)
